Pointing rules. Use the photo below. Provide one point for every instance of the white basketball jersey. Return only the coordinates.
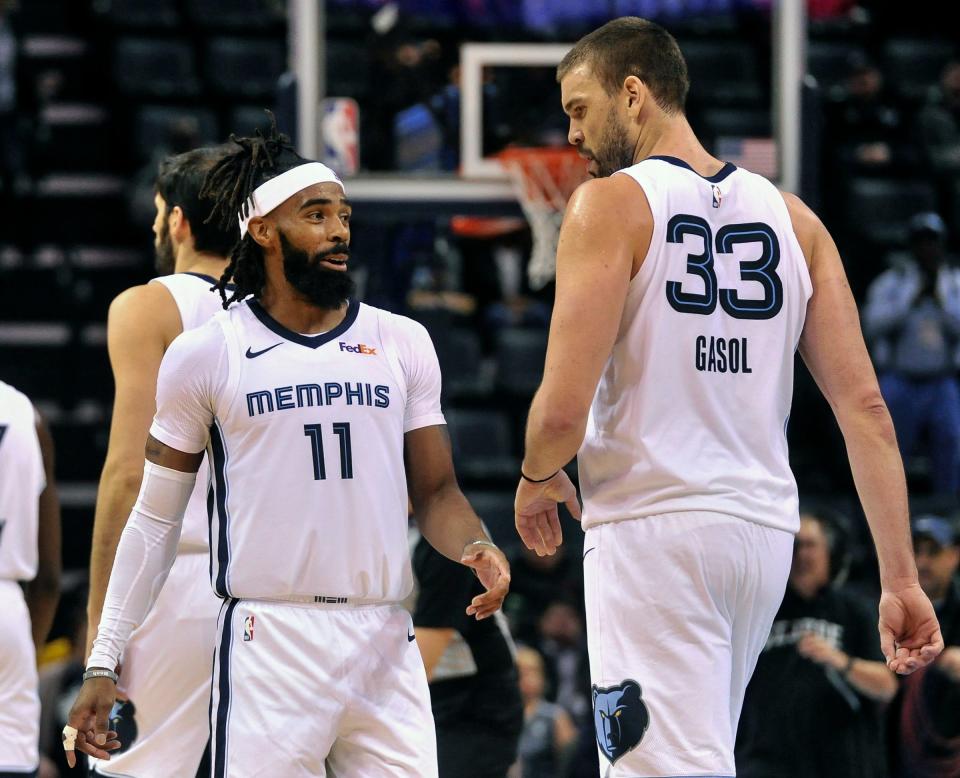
(692, 408)
(22, 480)
(304, 434)
(197, 302)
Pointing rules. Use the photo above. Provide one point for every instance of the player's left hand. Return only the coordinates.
(493, 570)
(537, 517)
(910, 634)
(821, 651)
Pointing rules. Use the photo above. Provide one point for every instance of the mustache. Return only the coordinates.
(341, 249)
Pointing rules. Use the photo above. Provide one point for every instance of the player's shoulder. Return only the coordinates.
(9, 392)
(395, 325)
(597, 193)
(805, 220)
(15, 404)
(807, 227)
(613, 205)
(142, 309)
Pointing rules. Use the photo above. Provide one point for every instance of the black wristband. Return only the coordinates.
(850, 660)
(525, 477)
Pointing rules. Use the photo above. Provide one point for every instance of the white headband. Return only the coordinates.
(272, 193)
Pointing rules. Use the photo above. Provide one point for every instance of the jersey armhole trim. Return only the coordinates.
(161, 280)
(634, 281)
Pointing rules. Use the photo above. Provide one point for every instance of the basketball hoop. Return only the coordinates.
(543, 179)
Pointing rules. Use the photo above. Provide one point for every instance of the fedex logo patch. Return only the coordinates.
(358, 349)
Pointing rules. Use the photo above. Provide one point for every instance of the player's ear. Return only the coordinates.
(177, 223)
(635, 93)
(261, 231)
(180, 229)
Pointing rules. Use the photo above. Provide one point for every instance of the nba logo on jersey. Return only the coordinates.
(248, 628)
(717, 196)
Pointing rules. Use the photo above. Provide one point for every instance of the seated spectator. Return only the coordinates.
(865, 126)
(912, 319)
(516, 307)
(939, 123)
(563, 644)
(473, 681)
(433, 289)
(925, 716)
(811, 710)
(548, 730)
(536, 582)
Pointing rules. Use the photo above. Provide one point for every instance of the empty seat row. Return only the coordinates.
(212, 14)
(155, 126)
(518, 360)
(878, 210)
(168, 68)
(911, 65)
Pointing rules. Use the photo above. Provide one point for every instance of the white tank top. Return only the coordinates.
(692, 407)
(305, 438)
(21, 481)
(197, 301)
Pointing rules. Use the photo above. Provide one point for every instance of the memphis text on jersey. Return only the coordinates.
(284, 398)
(721, 355)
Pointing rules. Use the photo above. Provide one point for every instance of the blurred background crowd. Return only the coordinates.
(93, 93)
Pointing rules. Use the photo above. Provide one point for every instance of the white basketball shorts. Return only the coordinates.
(19, 702)
(678, 608)
(163, 698)
(318, 690)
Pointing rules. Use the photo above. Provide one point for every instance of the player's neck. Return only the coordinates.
(203, 264)
(672, 136)
(299, 315)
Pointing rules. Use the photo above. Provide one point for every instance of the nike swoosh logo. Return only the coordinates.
(255, 354)
(410, 638)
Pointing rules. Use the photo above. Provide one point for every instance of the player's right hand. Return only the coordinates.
(90, 716)
(909, 631)
(537, 516)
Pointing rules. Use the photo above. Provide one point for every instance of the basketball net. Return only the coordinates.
(543, 180)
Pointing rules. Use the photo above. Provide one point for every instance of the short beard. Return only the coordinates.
(164, 257)
(614, 151)
(327, 289)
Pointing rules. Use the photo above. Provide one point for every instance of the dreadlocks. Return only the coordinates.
(230, 184)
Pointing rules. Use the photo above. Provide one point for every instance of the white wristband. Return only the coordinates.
(69, 738)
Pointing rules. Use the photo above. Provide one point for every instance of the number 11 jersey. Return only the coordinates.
(305, 439)
(692, 407)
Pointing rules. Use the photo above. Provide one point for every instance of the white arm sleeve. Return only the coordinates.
(148, 546)
(422, 370)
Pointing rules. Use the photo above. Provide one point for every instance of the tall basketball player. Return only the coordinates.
(684, 286)
(29, 554)
(165, 677)
(317, 413)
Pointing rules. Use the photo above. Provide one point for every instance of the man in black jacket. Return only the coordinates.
(812, 708)
(470, 665)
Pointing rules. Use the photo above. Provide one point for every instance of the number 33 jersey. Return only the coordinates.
(305, 439)
(692, 407)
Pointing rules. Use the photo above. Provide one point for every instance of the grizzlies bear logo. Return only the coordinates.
(123, 721)
(620, 717)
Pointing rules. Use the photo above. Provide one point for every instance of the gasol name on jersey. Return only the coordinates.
(284, 398)
(721, 355)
